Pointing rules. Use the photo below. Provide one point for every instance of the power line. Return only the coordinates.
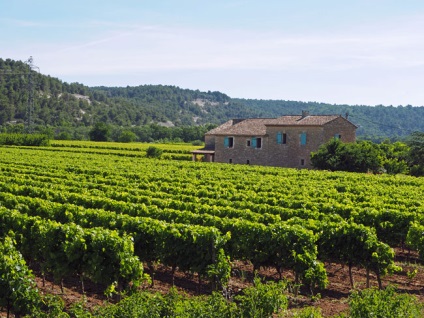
(30, 106)
(31, 67)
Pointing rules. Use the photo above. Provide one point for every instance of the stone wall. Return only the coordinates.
(291, 154)
(209, 142)
(240, 152)
(342, 127)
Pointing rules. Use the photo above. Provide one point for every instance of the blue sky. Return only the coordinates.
(365, 52)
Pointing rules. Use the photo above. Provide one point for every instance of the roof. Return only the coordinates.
(203, 151)
(315, 120)
(248, 127)
(257, 126)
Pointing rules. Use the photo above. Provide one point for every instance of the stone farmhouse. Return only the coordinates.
(286, 141)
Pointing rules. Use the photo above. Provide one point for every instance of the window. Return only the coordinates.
(248, 142)
(256, 142)
(230, 161)
(303, 138)
(281, 138)
(302, 162)
(337, 136)
(229, 142)
(248, 161)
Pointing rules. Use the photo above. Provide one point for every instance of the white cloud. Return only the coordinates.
(161, 48)
(350, 60)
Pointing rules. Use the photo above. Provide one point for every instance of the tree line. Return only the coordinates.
(105, 132)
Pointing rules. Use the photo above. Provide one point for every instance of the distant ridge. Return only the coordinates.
(59, 104)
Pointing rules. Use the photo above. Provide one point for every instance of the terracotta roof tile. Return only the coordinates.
(248, 127)
(221, 128)
(257, 126)
(315, 120)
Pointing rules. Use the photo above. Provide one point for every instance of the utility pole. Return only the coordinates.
(30, 109)
(29, 72)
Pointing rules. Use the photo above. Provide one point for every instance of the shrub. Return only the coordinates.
(384, 304)
(153, 152)
(18, 292)
(262, 300)
(197, 143)
(415, 237)
(308, 312)
(64, 135)
(24, 139)
(220, 272)
(149, 305)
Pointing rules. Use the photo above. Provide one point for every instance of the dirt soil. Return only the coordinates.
(332, 300)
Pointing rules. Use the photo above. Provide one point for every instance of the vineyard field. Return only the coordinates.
(105, 214)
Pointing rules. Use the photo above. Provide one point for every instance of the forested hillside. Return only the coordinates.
(58, 103)
(76, 107)
(375, 122)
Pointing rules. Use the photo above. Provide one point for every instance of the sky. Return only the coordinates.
(361, 52)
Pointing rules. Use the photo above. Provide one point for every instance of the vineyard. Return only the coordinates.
(104, 214)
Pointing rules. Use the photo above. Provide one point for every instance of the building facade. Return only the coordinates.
(286, 141)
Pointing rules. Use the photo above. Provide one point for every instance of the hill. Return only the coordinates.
(73, 105)
(375, 122)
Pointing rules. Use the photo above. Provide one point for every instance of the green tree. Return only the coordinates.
(363, 156)
(396, 157)
(329, 156)
(335, 155)
(6, 110)
(100, 132)
(64, 135)
(127, 136)
(416, 153)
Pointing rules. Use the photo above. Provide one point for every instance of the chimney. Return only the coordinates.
(237, 120)
(347, 115)
(305, 113)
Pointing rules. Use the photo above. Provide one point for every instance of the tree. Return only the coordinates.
(100, 132)
(335, 155)
(329, 155)
(416, 153)
(6, 110)
(364, 156)
(127, 136)
(396, 157)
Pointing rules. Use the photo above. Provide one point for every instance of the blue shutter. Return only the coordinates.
(279, 138)
(226, 142)
(303, 138)
(253, 142)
